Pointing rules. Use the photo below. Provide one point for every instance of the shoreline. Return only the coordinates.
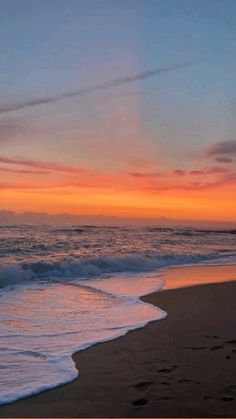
(152, 371)
(193, 275)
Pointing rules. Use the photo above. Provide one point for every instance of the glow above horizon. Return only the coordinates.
(160, 146)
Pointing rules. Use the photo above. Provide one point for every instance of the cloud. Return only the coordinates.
(208, 171)
(224, 160)
(207, 178)
(195, 186)
(224, 147)
(43, 165)
(99, 87)
(19, 186)
(67, 176)
(179, 172)
(216, 170)
(199, 186)
(27, 172)
(196, 172)
(145, 175)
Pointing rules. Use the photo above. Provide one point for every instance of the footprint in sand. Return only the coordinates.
(167, 370)
(197, 348)
(227, 398)
(139, 402)
(143, 385)
(232, 342)
(215, 347)
(187, 380)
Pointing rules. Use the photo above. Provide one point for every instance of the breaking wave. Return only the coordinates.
(92, 267)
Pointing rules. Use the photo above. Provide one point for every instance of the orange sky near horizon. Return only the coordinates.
(125, 196)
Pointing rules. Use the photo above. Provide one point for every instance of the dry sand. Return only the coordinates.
(182, 366)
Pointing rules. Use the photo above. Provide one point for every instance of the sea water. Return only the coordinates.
(63, 289)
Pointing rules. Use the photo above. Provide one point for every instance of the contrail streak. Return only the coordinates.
(103, 86)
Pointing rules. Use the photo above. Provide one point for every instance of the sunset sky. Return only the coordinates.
(88, 123)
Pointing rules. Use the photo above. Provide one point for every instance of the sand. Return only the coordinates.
(182, 366)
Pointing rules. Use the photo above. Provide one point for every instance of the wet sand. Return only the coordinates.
(182, 366)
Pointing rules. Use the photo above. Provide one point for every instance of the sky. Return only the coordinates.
(119, 108)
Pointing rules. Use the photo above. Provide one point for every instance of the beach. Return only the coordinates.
(181, 366)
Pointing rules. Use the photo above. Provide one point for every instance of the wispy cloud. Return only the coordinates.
(145, 175)
(42, 165)
(208, 171)
(194, 186)
(99, 87)
(224, 160)
(179, 172)
(206, 178)
(19, 186)
(25, 172)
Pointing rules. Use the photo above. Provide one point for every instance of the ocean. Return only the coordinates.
(65, 288)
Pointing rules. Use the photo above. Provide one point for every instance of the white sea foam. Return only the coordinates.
(43, 325)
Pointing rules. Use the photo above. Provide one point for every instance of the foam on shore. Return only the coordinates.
(43, 326)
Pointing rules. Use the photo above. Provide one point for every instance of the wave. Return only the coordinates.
(191, 232)
(92, 267)
(14, 274)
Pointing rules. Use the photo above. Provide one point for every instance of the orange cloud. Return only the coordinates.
(145, 175)
(209, 171)
(26, 172)
(179, 172)
(42, 165)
